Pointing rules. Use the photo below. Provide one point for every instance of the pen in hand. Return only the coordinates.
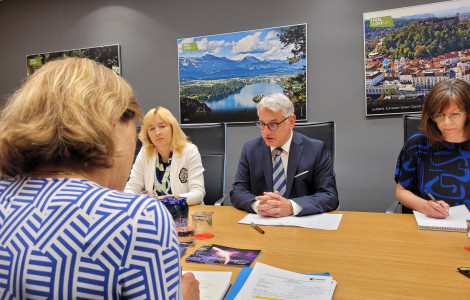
(432, 198)
(257, 228)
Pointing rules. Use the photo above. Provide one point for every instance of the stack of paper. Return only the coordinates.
(267, 282)
(318, 221)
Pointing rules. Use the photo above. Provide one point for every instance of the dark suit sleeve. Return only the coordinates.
(324, 195)
(241, 195)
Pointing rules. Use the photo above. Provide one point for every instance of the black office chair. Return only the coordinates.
(323, 131)
(138, 145)
(411, 124)
(210, 138)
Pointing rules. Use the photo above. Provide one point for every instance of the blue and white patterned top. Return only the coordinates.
(444, 170)
(73, 239)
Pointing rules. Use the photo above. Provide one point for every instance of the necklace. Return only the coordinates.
(61, 173)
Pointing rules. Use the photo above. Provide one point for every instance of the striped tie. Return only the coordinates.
(279, 176)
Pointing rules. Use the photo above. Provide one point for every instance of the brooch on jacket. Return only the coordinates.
(183, 175)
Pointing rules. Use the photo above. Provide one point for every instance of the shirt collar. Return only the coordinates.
(286, 146)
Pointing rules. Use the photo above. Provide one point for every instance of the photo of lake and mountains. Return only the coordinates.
(223, 77)
(411, 49)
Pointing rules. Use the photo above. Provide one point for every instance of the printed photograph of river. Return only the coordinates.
(223, 77)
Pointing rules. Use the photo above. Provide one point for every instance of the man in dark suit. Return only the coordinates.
(304, 181)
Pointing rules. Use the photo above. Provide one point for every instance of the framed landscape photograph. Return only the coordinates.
(409, 50)
(110, 56)
(223, 77)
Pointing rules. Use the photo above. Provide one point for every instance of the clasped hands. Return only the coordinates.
(271, 204)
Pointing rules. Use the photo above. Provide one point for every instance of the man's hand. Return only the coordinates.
(273, 205)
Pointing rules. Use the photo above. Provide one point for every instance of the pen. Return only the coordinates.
(257, 228)
(432, 198)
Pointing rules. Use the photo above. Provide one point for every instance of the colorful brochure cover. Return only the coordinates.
(221, 255)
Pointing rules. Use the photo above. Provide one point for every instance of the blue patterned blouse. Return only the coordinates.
(73, 239)
(442, 169)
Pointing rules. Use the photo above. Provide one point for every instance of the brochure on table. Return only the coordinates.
(222, 255)
(267, 282)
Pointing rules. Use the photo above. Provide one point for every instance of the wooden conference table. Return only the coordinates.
(371, 255)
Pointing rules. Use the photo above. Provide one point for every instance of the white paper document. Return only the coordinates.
(267, 282)
(319, 221)
(212, 285)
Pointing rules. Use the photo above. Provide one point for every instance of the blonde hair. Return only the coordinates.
(64, 114)
(179, 138)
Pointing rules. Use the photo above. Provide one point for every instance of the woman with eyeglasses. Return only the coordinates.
(436, 163)
(167, 164)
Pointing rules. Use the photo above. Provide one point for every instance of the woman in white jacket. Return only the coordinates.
(167, 164)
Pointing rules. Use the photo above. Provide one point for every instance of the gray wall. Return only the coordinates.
(147, 31)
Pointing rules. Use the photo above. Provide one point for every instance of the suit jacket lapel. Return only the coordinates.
(295, 153)
(174, 168)
(150, 172)
(267, 164)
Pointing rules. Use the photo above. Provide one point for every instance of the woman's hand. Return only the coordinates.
(175, 195)
(189, 286)
(439, 210)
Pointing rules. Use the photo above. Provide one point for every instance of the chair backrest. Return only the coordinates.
(138, 145)
(323, 131)
(210, 138)
(411, 124)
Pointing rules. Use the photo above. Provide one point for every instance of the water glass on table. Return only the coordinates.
(202, 222)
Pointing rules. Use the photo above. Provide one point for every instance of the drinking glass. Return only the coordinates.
(202, 222)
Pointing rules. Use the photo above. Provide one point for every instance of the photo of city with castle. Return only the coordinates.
(409, 50)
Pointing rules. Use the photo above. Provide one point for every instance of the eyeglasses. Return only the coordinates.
(271, 126)
(452, 116)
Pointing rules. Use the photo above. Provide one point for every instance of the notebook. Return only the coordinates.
(455, 222)
(212, 285)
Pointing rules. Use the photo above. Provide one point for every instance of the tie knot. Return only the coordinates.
(278, 151)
